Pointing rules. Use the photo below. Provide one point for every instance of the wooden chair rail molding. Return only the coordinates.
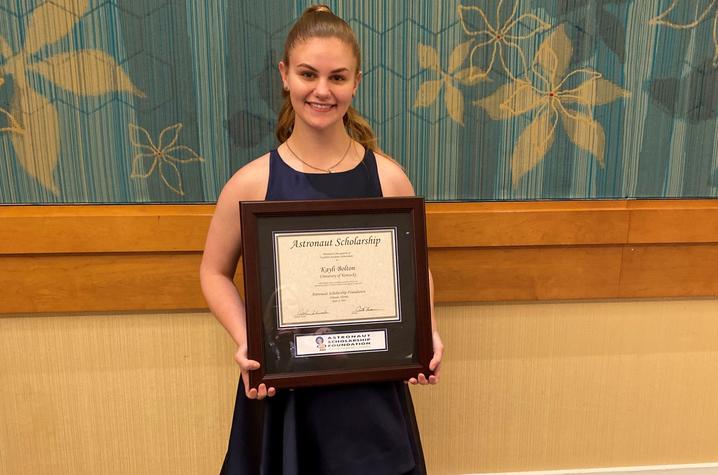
(146, 257)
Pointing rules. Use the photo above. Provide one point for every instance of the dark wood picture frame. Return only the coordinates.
(408, 340)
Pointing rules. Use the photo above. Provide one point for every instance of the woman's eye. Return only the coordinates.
(338, 78)
(307, 74)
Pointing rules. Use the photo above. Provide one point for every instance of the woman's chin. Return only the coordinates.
(323, 122)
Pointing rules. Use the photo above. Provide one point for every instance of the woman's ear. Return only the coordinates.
(283, 73)
(356, 84)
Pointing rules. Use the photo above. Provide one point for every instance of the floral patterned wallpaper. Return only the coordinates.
(116, 101)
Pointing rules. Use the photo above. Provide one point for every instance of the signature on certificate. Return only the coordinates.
(304, 312)
(364, 309)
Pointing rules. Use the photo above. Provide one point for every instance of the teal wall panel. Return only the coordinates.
(136, 101)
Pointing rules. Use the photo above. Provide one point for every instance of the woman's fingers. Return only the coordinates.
(245, 364)
(261, 392)
(421, 379)
(435, 363)
(435, 367)
(438, 347)
(254, 393)
(249, 365)
(436, 360)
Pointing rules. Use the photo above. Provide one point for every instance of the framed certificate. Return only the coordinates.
(336, 291)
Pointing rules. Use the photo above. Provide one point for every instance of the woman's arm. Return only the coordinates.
(394, 182)
(219, 263)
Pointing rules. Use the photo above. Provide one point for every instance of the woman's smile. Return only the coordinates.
(320, 107)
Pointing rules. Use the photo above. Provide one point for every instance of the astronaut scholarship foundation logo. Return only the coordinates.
(338, 343)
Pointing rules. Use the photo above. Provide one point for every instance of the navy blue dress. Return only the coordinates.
(353, 429)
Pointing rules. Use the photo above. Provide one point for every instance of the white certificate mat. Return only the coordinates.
(336, 277)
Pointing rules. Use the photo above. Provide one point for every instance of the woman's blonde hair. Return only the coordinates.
(318, 21)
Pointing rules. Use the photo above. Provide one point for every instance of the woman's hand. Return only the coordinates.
(245, 366)
(434, 364)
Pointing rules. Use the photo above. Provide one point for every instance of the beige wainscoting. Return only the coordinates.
(114, 394)
(526, 386)
(540, 386)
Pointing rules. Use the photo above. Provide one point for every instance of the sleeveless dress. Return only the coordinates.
(355, 429)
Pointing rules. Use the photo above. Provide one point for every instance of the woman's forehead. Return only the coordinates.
(326, 52)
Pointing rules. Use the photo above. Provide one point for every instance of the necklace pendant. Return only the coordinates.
(326, 170)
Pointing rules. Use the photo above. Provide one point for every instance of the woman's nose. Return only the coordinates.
(322, 88)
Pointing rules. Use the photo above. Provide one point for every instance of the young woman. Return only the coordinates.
(327, 151)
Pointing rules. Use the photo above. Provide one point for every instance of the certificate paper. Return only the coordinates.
(336, 277)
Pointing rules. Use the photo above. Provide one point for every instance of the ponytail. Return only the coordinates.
(285, 119)
(360, 130)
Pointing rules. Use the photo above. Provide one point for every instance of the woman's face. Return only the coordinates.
(322, 77)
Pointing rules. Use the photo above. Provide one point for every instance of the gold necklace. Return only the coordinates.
(325, 170)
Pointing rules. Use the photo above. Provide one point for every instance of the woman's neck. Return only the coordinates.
(321, 148)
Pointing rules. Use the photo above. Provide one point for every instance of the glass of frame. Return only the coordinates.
(336, 291)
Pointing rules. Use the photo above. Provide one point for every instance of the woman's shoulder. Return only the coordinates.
(394, 181)
(250, 181)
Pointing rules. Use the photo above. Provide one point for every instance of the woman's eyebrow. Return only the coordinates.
(305, 65)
